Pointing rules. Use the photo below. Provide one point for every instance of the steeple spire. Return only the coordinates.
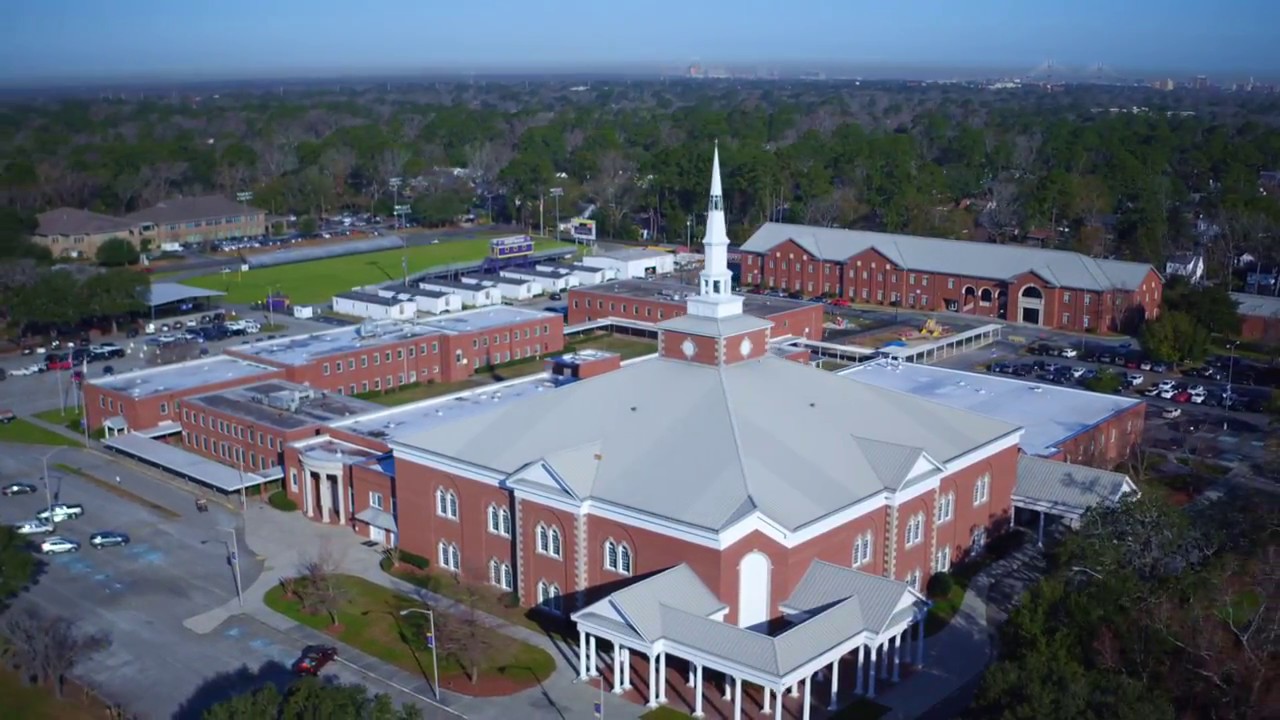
(715, 296)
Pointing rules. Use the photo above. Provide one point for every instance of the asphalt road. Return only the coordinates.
(140, 594)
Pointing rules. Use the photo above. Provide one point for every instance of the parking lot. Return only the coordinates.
(175, 567)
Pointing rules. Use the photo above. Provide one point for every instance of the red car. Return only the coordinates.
(1181, 397)
(57, 362)
(313, 659)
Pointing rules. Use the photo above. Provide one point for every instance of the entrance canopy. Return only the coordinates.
(1059, 488)
(191, 466)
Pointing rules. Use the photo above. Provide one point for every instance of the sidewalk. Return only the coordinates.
(274, 536)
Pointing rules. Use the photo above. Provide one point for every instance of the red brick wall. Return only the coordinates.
(1107, 444)
(257, 455)
(1260, 328)
(781, 578)
(142, 413)
(534, 566)
(651, 552)
(585, 306)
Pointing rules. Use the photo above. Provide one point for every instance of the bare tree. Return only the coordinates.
(22, 629)
(1006, 206)
(64, 646)
(466, 635)
(318, 587)
(488, 159)
(614, 185)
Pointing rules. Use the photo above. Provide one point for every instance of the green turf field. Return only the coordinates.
(317, 281)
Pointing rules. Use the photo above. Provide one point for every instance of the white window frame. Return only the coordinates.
(375, 500)
(449, 557)
(862, 548)
(982, 489)
(618, 557)
(446, 503)
(500, 574)
(946, 508)
(498, 519)
(914, 530)
(913, 579)
(942, 560)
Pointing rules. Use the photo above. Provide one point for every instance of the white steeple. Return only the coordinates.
(715, 296)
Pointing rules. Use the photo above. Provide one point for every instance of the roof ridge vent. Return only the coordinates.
(1037, 388)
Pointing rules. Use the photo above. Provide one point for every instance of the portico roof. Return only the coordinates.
(832, 606)
(1065, 489)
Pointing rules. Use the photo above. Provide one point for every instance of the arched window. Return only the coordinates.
(624, 559)
(450, 558)
(610, 555)
(982, 489)
(446, 503)
(862, 549)
(500, 574)
(914, 530)
(508, 577)
(985, 296)
(945, 509)
(544, 539)
(549, 596)
(555, 542)
(499, 521)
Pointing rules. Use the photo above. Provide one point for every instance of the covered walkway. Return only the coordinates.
(1050, 487)
(184, 464)
(846, 630)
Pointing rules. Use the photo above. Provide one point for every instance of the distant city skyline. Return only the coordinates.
(82, 40)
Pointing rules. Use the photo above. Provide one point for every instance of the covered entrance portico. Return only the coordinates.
(1064, 492)
(326, 494)
(839, 644)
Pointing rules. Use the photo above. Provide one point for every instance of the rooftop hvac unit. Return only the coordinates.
(284, 400)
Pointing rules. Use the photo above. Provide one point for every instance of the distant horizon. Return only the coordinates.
(61, 42)
(631, 71)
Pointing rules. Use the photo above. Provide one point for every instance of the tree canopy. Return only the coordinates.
(117, 252)
(308, 698)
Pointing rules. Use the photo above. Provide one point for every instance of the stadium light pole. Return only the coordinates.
(556, 193)
(394, 184)
(244, 197)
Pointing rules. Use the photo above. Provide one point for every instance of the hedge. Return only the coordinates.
(280, 500)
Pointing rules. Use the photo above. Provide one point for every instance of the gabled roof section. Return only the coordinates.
(1065, 489)
(837, 604)
(956, 257)
(701, 445)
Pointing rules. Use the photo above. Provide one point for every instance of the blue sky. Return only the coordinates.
(222, 38)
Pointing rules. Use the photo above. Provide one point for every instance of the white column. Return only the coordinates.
(339, 485)
(594, 670)
(653, 686)
(662, 677)
(617, 670)
(766, 703)
(871, 676)
(795, 689)
(308, 494)
(777, 704)
(728, 689)
(835, 683)
(697, 691)
(325, 496)
(582, 654)
(857, 683)
(882, 660)
(689, 682)
(920, 642)
(896, 656)
(626, 668)
(905, 642)
(808, 694)
(737, 698)
(1040, 531)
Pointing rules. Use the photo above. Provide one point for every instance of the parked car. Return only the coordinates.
(17, 488)
(1166, 385)
(1077, 372)
(1068, 352)
(7, 416)
(313, 659)
(1185, 396)
(108, 538)
(59, 512)
(1134, 379)
(58, 544)
(33, 527)
(1159, 367)
(1171, 413)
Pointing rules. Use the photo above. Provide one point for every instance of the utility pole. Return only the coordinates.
(556, 193)
(243, 198)
(234, 556)
(431, 642)
(398, 211)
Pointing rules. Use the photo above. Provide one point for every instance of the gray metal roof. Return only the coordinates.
(74, 221)
(771, 435)
(1257, 305)
(182, 463)
(377, 518)
(837, 603)
(956, 257)
(370, 298)
(1066, 489)
(163, 293)
(715, 327)
(193, 208)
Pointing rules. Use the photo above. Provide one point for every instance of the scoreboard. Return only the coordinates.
(513, 246)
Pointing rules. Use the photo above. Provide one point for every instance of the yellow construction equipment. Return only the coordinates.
(932, 329)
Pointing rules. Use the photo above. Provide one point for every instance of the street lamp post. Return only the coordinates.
(48, 494)
(234, 555)
(1231, 368)
(688, 233)
(431, 640)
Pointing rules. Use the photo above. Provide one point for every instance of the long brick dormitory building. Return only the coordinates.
(1049, 288)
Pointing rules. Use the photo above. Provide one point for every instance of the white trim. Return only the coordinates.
(436, 461)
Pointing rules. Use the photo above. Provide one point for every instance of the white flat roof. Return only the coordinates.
(485, 318)
(302, 349)
(181, 462)
(390, 424)
(181, 376)
(1049, 414)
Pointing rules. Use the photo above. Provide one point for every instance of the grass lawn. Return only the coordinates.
(486, 599)
(23, 431)
(945, 608)
(627, 347)
(369, 620)
(36, 702)
(316, 281)
(664, 713)
(117, 490)
(70, 419)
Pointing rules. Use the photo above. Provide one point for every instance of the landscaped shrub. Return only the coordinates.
(280, 500)
(510, 600)
(940, 585)
(413, 560)
(1005, 543)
